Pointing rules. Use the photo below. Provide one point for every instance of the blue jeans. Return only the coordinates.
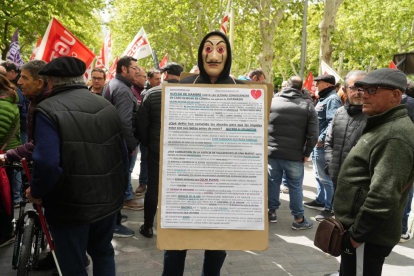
(294, 171)
(129, 193)
(407, 212)
(174, 261)
(325, 186)
(72, 242)
(143, 173)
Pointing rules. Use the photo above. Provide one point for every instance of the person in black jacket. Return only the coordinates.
(214, 59)
(149, 129)
(346, 127)
(293, 133)
(80, 200)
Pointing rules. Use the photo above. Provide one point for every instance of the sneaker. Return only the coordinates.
(141, 188)
(272, 217)
(124, 218)
(133, 205)
(46, 263)
(146, 232)
(6, 240)
(305, 224)
(284, 189)
(123, 232)
(314, 205)
(324, 214)
(406, 237)
(137, 196)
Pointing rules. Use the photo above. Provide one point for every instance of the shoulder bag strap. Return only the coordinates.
(11, 136)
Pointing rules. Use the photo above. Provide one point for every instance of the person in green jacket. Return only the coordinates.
(376, 177)
(9, 118)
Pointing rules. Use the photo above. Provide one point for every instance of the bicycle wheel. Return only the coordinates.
(25, 256)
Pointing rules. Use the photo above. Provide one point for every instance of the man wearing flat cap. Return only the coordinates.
(376, 177)
(80, 188)
(325, 107)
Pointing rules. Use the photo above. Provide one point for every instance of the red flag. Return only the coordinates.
(223, 27)
(105, 55)
(392, 65)
(112, 70)
(308, 84)
(164, 61)
(32, 57)
(59, 42)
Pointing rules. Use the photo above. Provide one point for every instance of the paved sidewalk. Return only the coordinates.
(290, 253)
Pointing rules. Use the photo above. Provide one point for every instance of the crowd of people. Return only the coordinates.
(358, 136)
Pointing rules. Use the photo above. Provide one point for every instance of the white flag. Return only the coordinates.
(326, 70)
(139, 47)
(105, 55)
(224, 24)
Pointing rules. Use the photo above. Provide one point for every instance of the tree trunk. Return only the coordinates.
(341, 62)
(269, 18)
(326, 26)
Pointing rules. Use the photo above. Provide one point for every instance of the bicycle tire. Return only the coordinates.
(25, 254)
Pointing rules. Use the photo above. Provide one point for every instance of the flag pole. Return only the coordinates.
(304, 40)
(104, 66)
(232, 28)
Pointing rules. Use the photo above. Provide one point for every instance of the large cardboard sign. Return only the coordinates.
(213, 167)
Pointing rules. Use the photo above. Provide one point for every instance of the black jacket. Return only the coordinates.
(93, 179)
(119, 92)
(345, 130)
(293, 126)
(149, 118)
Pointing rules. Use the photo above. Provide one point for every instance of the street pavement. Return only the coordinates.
(290, 252)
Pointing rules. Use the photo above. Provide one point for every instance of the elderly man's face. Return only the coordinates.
(378, 99)
(354, 96)
(30, 87)
(214, 55)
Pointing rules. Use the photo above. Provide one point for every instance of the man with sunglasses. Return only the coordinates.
(376, 177)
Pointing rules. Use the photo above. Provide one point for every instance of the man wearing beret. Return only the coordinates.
(326, 107)
(376, 177)
(80, 187)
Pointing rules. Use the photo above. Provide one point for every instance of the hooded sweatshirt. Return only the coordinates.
(203, 77)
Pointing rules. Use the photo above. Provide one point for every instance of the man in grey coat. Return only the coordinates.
(293, 132)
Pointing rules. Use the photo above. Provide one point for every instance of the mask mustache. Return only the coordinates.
(214, 62)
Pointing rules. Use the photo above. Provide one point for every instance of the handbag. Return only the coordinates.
(329, 236)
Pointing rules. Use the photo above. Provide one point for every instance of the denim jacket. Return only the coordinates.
(326, 108)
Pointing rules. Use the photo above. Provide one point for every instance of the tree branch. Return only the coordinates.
(190, 36)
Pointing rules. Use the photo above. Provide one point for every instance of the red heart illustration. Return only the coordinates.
(256, 94)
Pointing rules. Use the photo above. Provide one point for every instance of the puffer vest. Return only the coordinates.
(93, 180)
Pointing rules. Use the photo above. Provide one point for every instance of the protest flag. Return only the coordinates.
(88, 72)
(392, 65)
(139, 47)
(223, 27)
(164, 61)
(112, 70)
(326, 70)
(308, 84)
(59, 42)
(14, 50)
(105, 55)
(32, 57)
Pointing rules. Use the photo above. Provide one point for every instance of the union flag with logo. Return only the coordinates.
(60, 42)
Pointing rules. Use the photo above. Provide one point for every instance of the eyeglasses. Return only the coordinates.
(134, 67)
(97, 79)
(354, 88)
(373, 89)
